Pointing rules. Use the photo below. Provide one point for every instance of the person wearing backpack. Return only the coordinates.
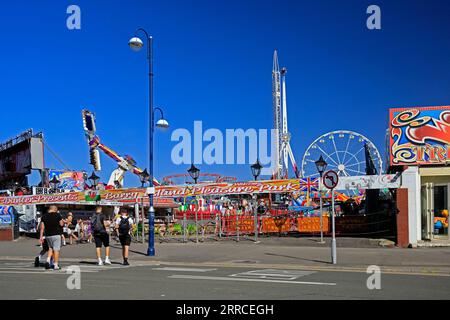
(123, 227)
(100, 223)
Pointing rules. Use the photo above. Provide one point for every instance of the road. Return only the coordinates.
(151, 280)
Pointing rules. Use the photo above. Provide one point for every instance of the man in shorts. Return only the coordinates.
(44, 249)
(51, 224)
(100, 224)
(123, 226)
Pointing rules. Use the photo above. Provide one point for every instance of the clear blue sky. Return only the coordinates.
(213, 62)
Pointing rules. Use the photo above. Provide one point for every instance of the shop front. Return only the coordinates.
(419, 145)
(435, 196)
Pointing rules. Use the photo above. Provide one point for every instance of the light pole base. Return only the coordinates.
(333, 252)
(151, 252)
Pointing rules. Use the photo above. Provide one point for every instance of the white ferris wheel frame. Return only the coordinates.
(327, 156)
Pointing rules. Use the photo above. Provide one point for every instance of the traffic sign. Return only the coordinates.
(330, 179)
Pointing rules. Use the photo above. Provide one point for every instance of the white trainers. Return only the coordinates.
(107, 261)
(100, 263)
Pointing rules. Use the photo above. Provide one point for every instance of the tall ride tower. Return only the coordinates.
(282, 143)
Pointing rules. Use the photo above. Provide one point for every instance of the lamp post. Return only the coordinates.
(136, 44)
(194, 172)
(256, 169)
(54, 183)
(321, 165)
(94, 179)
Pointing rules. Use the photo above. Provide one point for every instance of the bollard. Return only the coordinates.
(256, 224)
(220, 224)
(237, 226)
(184, 227)
(196, 225)
(142, 222)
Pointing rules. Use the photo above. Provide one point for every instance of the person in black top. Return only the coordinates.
(51, 228)
(100, 223)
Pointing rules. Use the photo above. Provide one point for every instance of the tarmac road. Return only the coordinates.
(148, 280)
(273, 269)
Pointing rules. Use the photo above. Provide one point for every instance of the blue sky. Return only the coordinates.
(213, 62)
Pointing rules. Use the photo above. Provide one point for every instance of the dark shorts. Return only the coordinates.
(101, 239)
(45, 245)
(125, 240)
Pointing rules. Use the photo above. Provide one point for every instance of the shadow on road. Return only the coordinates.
(131, 251)
(296, 258)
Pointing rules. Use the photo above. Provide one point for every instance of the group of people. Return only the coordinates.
(52, 228)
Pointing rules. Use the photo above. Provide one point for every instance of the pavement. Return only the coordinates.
(275, 268)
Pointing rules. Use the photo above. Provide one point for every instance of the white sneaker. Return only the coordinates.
(100, 263)
(107, 261)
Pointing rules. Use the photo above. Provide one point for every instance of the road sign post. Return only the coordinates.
(330, 181)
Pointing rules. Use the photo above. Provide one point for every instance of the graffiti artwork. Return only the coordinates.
(419, 136)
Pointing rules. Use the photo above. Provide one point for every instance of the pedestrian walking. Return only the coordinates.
(71, 225)
(100, 224)
(51, 229)
(123, 226)
(44, 249)
(79, 231)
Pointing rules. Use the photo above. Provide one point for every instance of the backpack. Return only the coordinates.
(97, 224)
(124, 226)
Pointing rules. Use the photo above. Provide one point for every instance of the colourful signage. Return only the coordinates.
(137, 195)
(68, 180)
(419, 136)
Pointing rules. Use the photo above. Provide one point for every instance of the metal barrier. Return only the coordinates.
(202, 226)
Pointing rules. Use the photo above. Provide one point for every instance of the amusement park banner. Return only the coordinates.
(419, 136)
(269, 186)
(162, 193)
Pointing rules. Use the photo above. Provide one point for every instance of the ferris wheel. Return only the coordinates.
(343, 151)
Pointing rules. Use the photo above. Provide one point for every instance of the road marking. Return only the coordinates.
(190, 277)
(183, 269)
(32, 272)
(274, 274)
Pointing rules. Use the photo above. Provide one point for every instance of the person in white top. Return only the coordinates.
(123, 227)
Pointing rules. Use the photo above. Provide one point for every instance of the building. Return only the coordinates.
(419, 145)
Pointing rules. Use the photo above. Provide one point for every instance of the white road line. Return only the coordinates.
(39, 270)
(249, 280)
(183, 269)
(274, 274)
(33, 272)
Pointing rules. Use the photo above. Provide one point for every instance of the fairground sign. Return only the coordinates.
(162, 193)
(419, 136)
(271, 186)
(384, 181)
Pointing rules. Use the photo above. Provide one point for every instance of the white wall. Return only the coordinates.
(411, 180)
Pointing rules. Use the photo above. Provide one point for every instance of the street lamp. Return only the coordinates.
(54, 183)
(194, 172)
(137, 44)
(321, 166)
(94, 179)
(256, 169)
(144, 176)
